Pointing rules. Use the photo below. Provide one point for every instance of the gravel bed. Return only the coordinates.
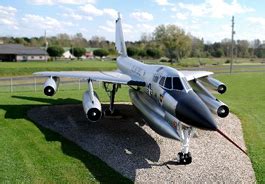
(140, 154)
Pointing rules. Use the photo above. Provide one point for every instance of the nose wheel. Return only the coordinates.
(184, 158)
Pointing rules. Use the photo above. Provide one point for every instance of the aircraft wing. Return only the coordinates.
(109, 77)
(191, 75)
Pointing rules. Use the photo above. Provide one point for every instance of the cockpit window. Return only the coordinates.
(186, 83)
(168, 83)
(177, 83)
(162, 81)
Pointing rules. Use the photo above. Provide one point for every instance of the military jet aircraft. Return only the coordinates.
(173, 102)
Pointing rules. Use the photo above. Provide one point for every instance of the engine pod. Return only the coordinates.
(92, 107)
(214, 84)
(51, 86)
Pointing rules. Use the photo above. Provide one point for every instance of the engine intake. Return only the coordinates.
(215, 84)
(215, 105)
(51, 85)
(92, 107)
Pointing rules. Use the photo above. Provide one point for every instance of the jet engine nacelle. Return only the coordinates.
(92, 107)
(211, 102)
(215, 105)
(215, 84)
(51, 85)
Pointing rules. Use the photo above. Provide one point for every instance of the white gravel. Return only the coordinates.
(139, 153)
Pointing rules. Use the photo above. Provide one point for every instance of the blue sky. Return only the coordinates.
(207, 19)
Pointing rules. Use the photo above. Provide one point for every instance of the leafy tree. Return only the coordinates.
(176, 43)
(242, 48)
(112, 51)
(197, 47)
(260, 51)
(20, 41)
(97, 41)
(226, 46)
(132, 51)
(55, 51)
(255, 44)
(78, 51)
(153, 53)
(100, 52)
(218, 53)
(142, 53)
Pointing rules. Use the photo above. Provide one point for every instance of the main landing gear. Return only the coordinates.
(111, 93)
(184, 157)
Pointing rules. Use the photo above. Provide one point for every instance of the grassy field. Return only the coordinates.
(33, 154)
(246, 98)
(27, 68)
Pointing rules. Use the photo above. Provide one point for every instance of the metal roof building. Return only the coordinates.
(16, 52)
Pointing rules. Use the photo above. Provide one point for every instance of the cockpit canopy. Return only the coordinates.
(173, 83)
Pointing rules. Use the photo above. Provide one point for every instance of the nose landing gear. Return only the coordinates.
(184, 157)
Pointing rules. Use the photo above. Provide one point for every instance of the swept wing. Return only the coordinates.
(109, 77)
(191, 75)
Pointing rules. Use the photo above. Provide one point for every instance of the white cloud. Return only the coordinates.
(142, 16)
(39, 22)
(257, 21)
(91, 10)
(110, 27)
(256, 26)
(215, 8)
(163, 3)
(145, 28)
(111, 12)
(73, 14)
(127, 28)
(181, 16)
(8, 16)
(52, 2)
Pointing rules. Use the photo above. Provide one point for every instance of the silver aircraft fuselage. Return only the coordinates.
(167, 98)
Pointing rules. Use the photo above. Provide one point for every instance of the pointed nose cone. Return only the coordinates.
(192, 111)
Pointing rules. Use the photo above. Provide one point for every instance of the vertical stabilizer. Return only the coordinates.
(119, 41)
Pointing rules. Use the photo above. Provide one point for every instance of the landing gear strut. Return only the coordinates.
(111, 93)
(184, 157)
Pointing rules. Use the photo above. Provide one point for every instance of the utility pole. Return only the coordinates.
(232, 45)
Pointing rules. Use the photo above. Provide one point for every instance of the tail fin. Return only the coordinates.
(119, 42)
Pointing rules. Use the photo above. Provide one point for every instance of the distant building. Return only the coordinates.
(16, 52)
(68, 55)
(89, 55)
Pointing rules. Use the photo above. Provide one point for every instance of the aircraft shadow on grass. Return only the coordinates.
(127, 144)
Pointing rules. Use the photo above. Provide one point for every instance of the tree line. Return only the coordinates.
(166, 40)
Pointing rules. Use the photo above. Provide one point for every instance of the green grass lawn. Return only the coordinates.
(33, 154)
(246, 98)
(27, 68)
